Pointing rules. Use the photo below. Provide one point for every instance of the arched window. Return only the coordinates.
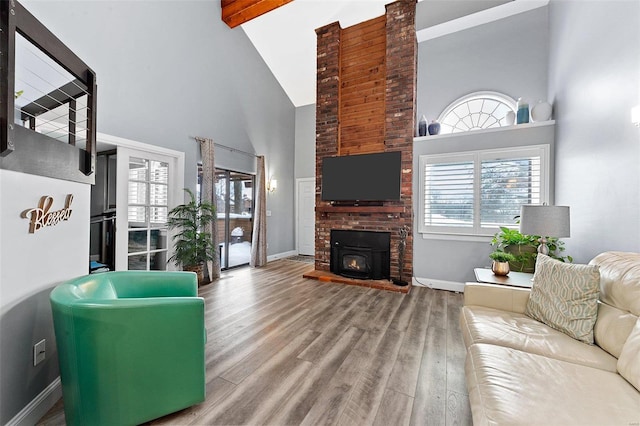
(478, 110)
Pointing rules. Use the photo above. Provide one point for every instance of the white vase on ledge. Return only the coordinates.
(541, 112)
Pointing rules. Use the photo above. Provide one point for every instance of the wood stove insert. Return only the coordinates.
(360, 254)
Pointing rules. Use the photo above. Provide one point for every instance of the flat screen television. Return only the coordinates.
(366, 177)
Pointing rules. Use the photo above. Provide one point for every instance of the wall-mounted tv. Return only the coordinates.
(366, 177)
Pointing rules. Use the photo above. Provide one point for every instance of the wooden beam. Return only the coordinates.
(237, 12)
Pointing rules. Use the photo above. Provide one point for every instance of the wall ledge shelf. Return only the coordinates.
(483, 131)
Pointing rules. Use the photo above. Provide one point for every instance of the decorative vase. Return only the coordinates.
(500, 268)
(526, 255)
(523, 112)
(422, 126)
(434, 127)
(541, 111)
(510, 118)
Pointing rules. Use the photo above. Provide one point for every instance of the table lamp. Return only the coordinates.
(546, 221)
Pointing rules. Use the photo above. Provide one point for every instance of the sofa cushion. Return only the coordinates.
(620, 280)
(565, 297)
(629, 361)
(510, 387)
(518, 331)
(612, 328)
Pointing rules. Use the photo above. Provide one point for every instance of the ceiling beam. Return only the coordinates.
(237, 12)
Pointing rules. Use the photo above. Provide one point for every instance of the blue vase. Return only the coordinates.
(422, 126)
(523, 112)
(434, 128)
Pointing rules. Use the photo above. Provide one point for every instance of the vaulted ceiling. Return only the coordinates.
(285, 37)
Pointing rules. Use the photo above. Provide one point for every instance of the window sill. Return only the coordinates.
(483, 131)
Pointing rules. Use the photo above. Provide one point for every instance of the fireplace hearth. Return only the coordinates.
(360, 254)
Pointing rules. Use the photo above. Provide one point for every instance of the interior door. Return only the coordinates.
(146, 192)
(306, 221)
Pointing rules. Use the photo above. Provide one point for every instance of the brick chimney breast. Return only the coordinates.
(366, 97)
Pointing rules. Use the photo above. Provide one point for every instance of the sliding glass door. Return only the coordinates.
(234, 202)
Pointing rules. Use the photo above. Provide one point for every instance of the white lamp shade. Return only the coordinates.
(545, 221)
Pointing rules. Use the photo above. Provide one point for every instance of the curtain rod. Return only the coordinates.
(219, 145)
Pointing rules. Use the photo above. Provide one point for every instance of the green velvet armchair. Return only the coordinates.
(130, 346)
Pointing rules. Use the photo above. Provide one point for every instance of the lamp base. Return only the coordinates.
(543, 248)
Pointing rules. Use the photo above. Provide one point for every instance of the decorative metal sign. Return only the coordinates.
(41, 216)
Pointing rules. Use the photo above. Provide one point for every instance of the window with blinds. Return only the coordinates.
(474, 193)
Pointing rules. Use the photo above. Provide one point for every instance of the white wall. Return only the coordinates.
(30, 265)
(594, 81)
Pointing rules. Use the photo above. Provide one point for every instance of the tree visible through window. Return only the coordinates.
(479, 110)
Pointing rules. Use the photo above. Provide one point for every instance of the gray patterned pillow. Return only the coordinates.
(565, 297)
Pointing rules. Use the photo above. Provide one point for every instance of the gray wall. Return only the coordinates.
(450, 260)
(305, 141)
(166, 71)
(594, 81)
(508, 56)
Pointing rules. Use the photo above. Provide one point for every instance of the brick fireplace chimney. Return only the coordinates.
(366, 91)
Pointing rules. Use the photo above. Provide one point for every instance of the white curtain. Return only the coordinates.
(259, 237)
(208, 195)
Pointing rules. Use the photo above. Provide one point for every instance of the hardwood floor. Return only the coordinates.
(282, 349)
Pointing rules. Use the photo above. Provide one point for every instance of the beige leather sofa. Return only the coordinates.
(521, 372)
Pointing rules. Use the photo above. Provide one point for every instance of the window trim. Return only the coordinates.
(544, 150)
(486, 94)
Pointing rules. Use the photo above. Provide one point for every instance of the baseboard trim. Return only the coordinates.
(438, 284)
(37, 408)
(282, 255)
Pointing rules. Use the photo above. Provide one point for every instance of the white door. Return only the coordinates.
(306, 222)
(146, 191)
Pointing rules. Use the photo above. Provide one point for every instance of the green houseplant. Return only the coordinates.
(525, 248)
(501, 256)
(192, 245)
(501, 259)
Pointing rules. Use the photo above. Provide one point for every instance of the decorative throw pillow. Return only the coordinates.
(565, 297)
(628, 365)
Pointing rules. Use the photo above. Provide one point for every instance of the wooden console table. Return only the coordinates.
(514, 279)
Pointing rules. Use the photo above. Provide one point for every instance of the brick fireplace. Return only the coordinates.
(366, 85)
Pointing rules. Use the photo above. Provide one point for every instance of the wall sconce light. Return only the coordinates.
(272, 185)
(635, 115)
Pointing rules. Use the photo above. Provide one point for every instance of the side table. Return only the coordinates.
(514, 279)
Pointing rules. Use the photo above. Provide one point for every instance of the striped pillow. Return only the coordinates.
(565, 297)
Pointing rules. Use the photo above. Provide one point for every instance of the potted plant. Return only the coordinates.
(525, 248)
(501, 259)
(192, 245)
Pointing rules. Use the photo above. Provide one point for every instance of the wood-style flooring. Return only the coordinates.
(283, 349)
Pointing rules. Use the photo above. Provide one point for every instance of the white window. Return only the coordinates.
(475, 192)
(479, 110)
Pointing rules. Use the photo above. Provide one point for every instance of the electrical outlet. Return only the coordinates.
(268, 213)
(39, 352)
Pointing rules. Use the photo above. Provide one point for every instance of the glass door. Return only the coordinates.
(145, 191)
(234, 202)
(147, 214)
